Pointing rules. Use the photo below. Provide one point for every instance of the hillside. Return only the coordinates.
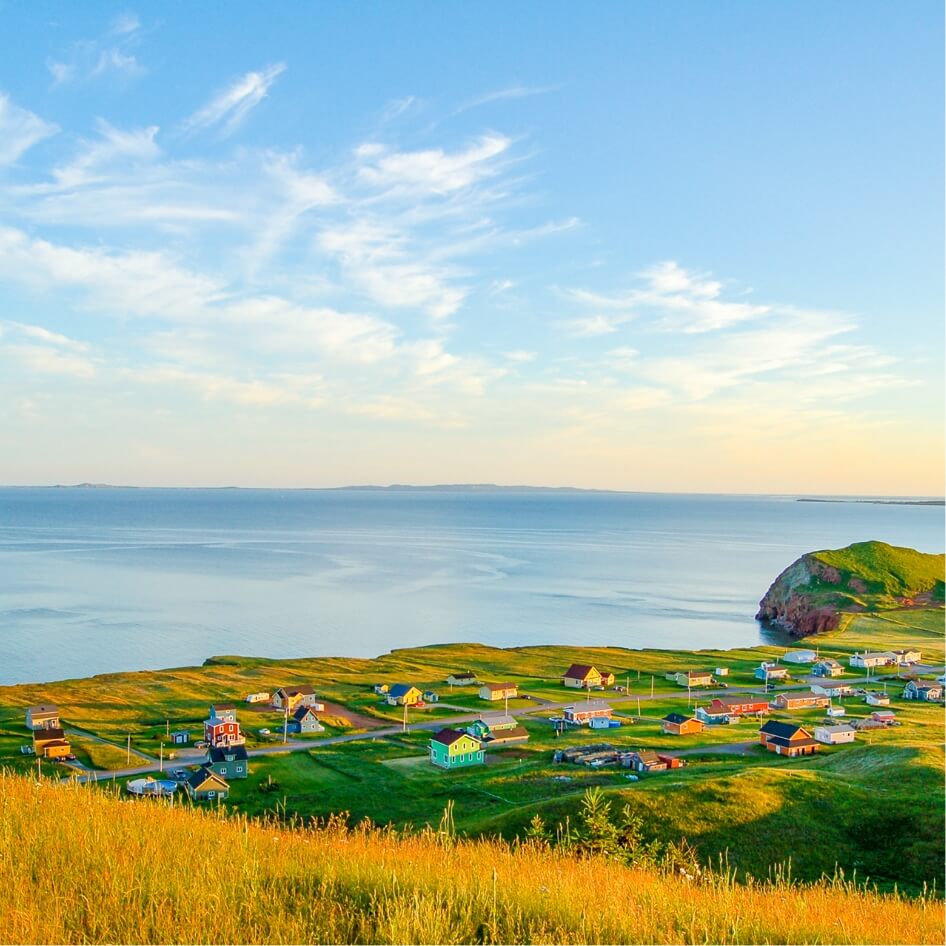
(812, 594)
(92, 868)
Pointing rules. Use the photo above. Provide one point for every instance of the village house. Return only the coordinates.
(827, 667)
(926, 692)
(835, 734)
(304, 721)
(721, 672)
(180, 737)
(585, 676)
(676, 724)
(381, 689)
(431, 697)
(290, 697)
(831, 688)
(498, 691)
(42, 717)
(746, 705)
(799, 657)
(885, 716)
(205, 785)
(767, 672)
(874, 659)
(225, 711)
(498, 730)
(693, 678)
(222, 730)
(875, 698)
(787, 739)
(228, 762)
(465, 679)
(453, 749)
(581, 713)
(644, 760)
(51, 743)
(712, 716)
(796, 701)
(836, 711)
(907, 656)
(261, 697)
(404, 694)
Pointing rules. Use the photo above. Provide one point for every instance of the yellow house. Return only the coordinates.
(51, 744)
(584, 676)
(404, 694)
(498, 691)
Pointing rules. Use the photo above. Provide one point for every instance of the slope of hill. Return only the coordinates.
(814, 591)
(80, 866)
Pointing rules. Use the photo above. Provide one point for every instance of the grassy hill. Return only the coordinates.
(814, 591)
(80, 865)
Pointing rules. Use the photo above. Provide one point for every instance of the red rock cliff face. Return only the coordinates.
(787, 606)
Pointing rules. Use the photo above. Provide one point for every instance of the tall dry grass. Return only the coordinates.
(78, 866)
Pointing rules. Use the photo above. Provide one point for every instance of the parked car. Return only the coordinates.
(265, 732)
(200, 745)
(180, 774)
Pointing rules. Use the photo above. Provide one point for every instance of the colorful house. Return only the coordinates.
(796, 701)
(693, 678)
(404, 694)
(225, 711)
(827, 667)
(205, 785)
(581, 713)
(454, 749)
(498, 691)
(585, 676)
(304, 721)
(676, 724)
(42, 717)
(836, 734)
(51, 743)
(787, 739)
(926, 692)
(740, 705)
(768, 672)
(180, 737)
(223, 730)
(229, 762)
(712, 716)
(887, 717)
(291, 697)
(464, 679)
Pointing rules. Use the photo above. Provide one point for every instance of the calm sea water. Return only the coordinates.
(95, 580)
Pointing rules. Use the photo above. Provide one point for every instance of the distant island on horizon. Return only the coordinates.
(498, 487)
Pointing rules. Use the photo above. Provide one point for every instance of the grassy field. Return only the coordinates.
(91, 868)
(755, 806)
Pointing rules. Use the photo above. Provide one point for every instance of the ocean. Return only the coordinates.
(99, 580)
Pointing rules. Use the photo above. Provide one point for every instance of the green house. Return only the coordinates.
(453, 749)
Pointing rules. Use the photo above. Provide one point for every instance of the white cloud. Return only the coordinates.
(20, 130)
(97, 159)
(231, 106)
(510, 92)
(125, 23)
(94, 58)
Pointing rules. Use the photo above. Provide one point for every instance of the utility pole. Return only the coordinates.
(161, 758)
(404, 723)
(39, 766)
(651, 687)
(507, 702)
(638, 706)
(167, 728)
(688, 694)
(128, 754)
(285, 725)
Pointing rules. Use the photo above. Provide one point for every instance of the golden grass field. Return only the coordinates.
(81, 866)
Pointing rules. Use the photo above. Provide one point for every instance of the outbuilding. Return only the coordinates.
(836, 734)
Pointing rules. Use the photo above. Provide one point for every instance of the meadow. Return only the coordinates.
(93, 868)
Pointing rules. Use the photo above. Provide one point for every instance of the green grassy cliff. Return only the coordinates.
(814, 591)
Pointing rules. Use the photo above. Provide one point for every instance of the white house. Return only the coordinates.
(800, 657)
(260, 697)
(831, 688)
(877, 699)
(872, 659)
(835, 734)
(908, 656)
(582, 713)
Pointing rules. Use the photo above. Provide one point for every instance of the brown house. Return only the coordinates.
(51, 743)
(787, 739)
(793, 701)
(676, 724)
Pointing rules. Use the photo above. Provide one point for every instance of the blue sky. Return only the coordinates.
(683, 246)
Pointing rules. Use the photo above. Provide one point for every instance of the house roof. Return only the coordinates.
(829, 662)
(506, 735)
(203, 775)
(301, 712)
(781, 730)
(580, 671)
(47, 735)
(497, 720)
(46, 709)
(646, 755)
(695, 673)
(676, 718)
(793, 743)
(464, 675)
(838, 727)
(400, 689)
(589, 706)
(305, 690)
(220, 754)
(500, 686)
(223, 706)
(448, 737)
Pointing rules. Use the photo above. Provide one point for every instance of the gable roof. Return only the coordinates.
(448, 737)
(838, 727)
(677, 718)
(694, 673)
(497, 720)
(46, 709)
(238, 754)
(500, 686)
(304, 690)
(300, 712)
(464, 675)
(223, 706)
(588, 706)
(646, 755)
(781, 730)
(401, 689)
(202, 775)
(580, 671)
(47, 735)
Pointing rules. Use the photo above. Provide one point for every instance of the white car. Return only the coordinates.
(265, 732)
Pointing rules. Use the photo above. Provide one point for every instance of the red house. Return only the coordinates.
(222, 731)
(739, 705)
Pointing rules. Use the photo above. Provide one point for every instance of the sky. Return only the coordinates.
(688, 247)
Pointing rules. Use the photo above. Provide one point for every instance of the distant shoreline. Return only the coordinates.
(489, 488)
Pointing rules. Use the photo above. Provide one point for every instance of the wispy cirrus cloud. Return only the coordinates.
(20, 129)
(230, 107)
(517, 91)
(93, 58)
